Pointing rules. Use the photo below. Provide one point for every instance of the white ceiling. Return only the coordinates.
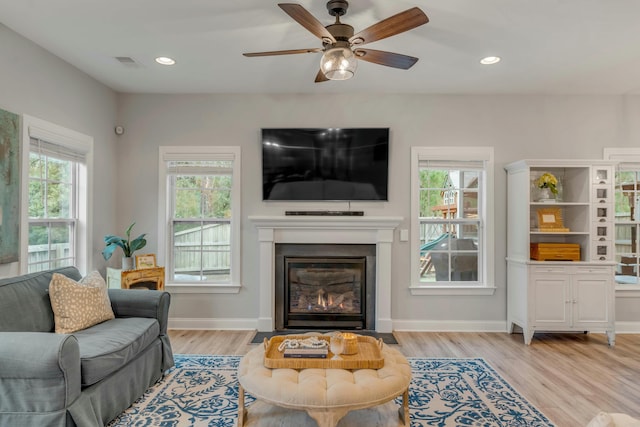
(547, 46)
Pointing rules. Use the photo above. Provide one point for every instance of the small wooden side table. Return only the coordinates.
(127, 279)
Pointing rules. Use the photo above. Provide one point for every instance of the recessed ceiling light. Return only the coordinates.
(164, 60)
(490, 60)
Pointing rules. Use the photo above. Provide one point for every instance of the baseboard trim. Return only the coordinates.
(212, 324)
(450, 326)
(627, 327)
(622, 327)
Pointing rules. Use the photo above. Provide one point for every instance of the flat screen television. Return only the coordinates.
(332, 164)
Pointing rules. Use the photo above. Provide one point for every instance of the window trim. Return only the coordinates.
(164, 213)
(33, 127)
(486, 285)
(624, 155)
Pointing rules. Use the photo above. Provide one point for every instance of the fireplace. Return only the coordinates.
(374, 231)
(319, 286)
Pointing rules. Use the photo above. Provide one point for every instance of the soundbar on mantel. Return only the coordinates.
(324, 213)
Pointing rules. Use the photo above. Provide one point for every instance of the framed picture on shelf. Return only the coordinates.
(145, 261)
(550, 219)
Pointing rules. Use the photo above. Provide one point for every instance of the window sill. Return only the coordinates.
(202, 288)
(452, 290)
(627, 291)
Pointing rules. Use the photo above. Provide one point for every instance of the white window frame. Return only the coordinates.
(33, 127)
(168, 153)
(621, 156)
(486, 279)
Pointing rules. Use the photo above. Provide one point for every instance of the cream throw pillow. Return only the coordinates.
(79, 305)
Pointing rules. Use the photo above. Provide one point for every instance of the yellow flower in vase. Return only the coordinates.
(547, 180)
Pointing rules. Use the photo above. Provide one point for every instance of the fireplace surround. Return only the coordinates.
(324, 286)
(340, 230)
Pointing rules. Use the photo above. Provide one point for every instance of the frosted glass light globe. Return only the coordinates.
(338, 63)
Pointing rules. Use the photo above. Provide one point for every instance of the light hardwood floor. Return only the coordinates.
(569, 377)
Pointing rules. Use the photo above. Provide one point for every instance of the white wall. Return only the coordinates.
(37, 83)
(517, 126)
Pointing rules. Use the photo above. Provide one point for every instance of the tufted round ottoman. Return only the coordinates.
(326, 395)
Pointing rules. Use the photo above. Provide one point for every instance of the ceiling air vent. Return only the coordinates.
(127, 60)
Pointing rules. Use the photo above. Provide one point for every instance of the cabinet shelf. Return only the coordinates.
(559, 204)
(560, 233)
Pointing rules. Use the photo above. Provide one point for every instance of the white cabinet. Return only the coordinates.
(545, 295)
(570, 298)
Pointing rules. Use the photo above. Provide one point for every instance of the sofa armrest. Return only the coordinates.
(141, 303)
(39, 371)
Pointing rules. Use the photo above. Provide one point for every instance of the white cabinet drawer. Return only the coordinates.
(602, 231)
(602, 251)
(601, 194)
(546, 269)
(587, 269)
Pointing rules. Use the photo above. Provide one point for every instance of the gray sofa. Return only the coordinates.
(82, 379)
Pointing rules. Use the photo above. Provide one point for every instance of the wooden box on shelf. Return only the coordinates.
(555, 251)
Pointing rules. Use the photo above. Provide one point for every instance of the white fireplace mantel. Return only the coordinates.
(325, 230)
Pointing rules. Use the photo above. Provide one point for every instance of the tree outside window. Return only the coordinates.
(627, 225)
(449, 224)
(52, 217)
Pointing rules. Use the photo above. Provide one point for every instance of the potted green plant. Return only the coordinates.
(128, 246)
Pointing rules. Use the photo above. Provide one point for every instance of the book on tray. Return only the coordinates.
(311, 353)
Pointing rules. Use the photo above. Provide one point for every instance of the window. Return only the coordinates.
(199, 191)
(627, 215)
(452, 221)
(55, 209)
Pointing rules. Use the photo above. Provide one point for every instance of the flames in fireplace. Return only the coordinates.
(328, 289)
(325, 292)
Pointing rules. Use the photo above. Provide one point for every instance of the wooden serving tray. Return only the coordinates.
(369, 355)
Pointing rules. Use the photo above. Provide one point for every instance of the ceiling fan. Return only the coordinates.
(341, 46)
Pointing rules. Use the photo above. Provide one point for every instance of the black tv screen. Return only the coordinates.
(330, 164)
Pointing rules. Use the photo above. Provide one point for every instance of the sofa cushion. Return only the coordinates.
(106, 347)
(79, 305)
(24, 301)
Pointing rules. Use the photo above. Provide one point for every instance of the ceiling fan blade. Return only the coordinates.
(389, 59)
(320, 77)
(303, 17)
(396, 24)
(283, 52)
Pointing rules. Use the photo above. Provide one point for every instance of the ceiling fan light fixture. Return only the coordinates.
(338, 63)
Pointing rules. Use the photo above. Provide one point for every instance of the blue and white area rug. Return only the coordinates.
(203, 391)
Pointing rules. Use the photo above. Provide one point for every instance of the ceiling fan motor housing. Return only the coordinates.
(341, 32)
(337, 7)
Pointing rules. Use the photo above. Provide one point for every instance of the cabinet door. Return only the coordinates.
(551, 301)
(591, 295)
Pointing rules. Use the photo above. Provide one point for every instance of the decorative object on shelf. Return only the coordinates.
(145, 261)
(547, 186)
(128, 246)
(555, 251)
(550, 220)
